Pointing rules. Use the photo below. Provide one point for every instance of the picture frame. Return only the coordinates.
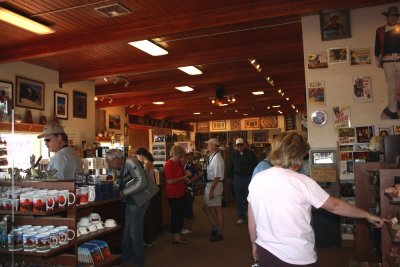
(362, 88)
(335, 24)
(316, 93)
(260, 136)
(61, 105)
(251, 123)
(338, 55)
(79, 105)
(29, 93)
(317, 60)
(114, 121)
(268, 122)
(6, 94)
(360, 56)
(218, 125)
(202, 126)
(126, 129)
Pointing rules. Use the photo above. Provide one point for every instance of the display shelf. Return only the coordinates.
(392, 233)
(22, 127)
(393, 261)
(109, 261)
(31, 213)
(42, 254)
(394, 199)
(98, 233)
(97, 203)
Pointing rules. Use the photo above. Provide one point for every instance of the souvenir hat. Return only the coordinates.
(50, 129)
(239, 141)
(213, 141)
(392, 10)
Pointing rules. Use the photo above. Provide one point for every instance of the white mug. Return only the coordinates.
(94, 217)
(84, 221)
(66, 197)
(82, 230)
(92, 193)
(99, 225)
(64, 234)
(110, 223)
(92, 228)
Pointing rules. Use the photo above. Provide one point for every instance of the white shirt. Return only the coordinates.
(216, 167)
(281, 201)
(66, 162)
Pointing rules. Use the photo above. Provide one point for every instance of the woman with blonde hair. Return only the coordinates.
(280, 201)
(176, 178)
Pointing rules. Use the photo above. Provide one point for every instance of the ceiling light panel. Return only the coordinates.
(149, 48)
(184, 88)
(258, 92)
(23, 22)
(159, 103)
(191, 70)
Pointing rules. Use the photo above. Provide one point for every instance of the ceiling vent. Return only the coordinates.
(114, 10)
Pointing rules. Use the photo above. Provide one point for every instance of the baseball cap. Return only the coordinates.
(239, 141)
(51, 128)
(213, 141)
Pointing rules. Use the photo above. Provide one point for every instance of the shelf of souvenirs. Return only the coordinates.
(21, 127)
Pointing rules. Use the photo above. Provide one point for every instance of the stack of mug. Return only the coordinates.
(29, 199)
(39, 239)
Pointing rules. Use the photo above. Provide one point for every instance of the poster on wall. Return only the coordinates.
(360, 56)
(235, 125)
(316, 93)
(338, 55)
(396, 129)
(341, 116)
(317, 60)
(362, 88)
(347, 135)
(383, 130)
(364, 134)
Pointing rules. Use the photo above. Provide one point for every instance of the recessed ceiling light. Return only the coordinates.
(280, 112)
(276, 106)
(258, 92)
(159, 103)
(191, 70)
(184, 88)
(223, 104)
(268, 107)
(245, 114)
(236, 110)
(149, 48)
(23, 22)
(211, 112)
(196, 113)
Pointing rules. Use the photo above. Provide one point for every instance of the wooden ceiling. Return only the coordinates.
(217, 36)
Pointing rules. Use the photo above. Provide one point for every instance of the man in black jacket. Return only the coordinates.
(241, 165)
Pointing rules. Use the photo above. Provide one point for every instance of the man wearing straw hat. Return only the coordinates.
(387, 54)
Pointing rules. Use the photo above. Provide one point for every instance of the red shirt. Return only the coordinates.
(174, 170)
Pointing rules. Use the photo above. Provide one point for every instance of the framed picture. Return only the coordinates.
(335, 25)
(126, 129)
(251, 123)
(80, 104)
(235, 125)
(317, 60)
(360, 56)
(114, 121)
(61, 105)
(383, 130)
(338, 55)
(218, 125)
(316, 93)
(202, 126)
(29, 93)
(260, 136)
(362, 88)
(269, 122)
(6, 97)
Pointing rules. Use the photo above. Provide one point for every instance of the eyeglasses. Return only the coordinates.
(240, 144)
(48, 139)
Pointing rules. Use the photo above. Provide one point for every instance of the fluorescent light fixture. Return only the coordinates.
(184, 88)
(159, 103)
(258, 92)
(223, 104)
(149, 48)
(196, 113)
(23, 22)
(245, 114)
(191, 70)
(276, 106)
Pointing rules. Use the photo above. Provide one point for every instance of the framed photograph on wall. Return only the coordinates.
(338, 55)
(80, 104)
(202, 126)
(114, 121)
(6, 96)
(61, 105)
(29, 93)
(362, 88)
(218, 125)
(335, 25)
(360, 56)
(260, 136)
(317, 60)
(251, 123)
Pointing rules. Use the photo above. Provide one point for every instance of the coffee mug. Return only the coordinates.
(7, 204)
(66, 197)
(110, 223)
(92, 228)
(26, 202)
(82, 230)
(42, 202)
(94, 217)
(44, 242)
(53, 196)
(99, 225)
(28, 240)
(84, 194)
(55, 233)
(84, 221)
(14, 240)
(64, 233)
(92, 193)
(78, 195)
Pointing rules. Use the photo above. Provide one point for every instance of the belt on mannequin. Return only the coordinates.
(391, 60)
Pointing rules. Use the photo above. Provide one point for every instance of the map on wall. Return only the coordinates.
(235, 125)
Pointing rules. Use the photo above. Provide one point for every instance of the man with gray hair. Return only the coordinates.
(137, 189)
(65, 160)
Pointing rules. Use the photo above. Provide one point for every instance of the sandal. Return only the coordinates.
(180, 242)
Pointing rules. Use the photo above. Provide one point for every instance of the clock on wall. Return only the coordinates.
(319, 117)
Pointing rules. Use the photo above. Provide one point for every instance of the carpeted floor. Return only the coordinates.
(234, 251)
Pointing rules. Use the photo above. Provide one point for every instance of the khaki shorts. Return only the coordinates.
(217, 199)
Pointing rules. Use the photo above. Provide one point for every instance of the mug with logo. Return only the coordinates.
(14, 239)
(6, 204)
(64, 234)
(66, 197)
(55, 233)
(92, 193)
(84, 194)
(94, 217)
(44, 242)
(53, 196)
(28, 240)
(42, 202)
(26, 202)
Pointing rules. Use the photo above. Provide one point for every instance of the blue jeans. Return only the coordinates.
(132, 242)
(241, 190)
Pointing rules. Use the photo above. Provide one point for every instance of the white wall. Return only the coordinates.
(338, 77)
(77, 129)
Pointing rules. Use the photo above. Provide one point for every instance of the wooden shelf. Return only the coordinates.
(394, 199)
(109, 261)
(97, 203)
(37, 254)
(98, 233)
(31, 213)
(22, 127)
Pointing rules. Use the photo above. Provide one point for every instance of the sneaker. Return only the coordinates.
(216, 238)
(185, 231)
(391, 115)
(241, 221)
